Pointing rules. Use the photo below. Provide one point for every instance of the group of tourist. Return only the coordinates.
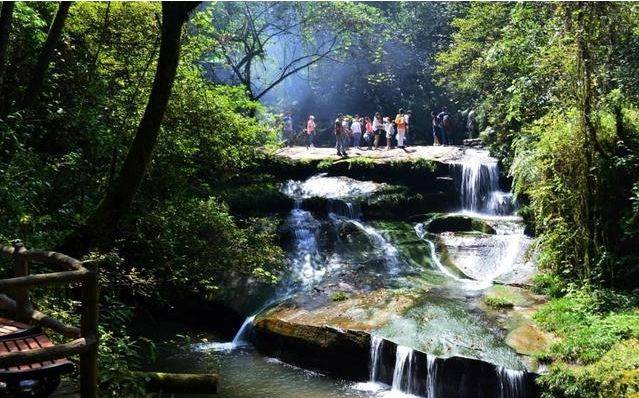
(368, 133)
(358, 130)
(442, 127)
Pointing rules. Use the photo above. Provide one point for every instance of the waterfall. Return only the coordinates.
(390, 252)
(479, 187)
(239, 340)
(376, 346)
(511, 383)
(344, 208)
(421, 233)
(478, 181)
(306, 261)
(241, 336)
(403, 369)
(431, 376)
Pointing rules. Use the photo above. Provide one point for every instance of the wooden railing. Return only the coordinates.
(84, 339)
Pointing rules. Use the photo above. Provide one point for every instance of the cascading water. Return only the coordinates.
(479, 187)
(511, 383)
(241, 336)
(389, 251)
(376, 346)
(403, 370)
(306, 261)
(431, 377)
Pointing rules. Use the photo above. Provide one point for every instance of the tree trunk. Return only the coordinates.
(40, 70)
(170, 383)
(118, 200)
(6, 15)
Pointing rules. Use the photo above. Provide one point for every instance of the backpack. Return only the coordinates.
(399, 121)
(446, 121)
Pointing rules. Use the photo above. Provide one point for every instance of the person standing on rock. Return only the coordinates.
(368, 136)
(378, 128)
(288, 128)
(408, 120)
(356, 129)
(339, 136)
(389, 129)
(435, 123)
(400, 122)
(445, 126)
(346, 132)
(310, 131)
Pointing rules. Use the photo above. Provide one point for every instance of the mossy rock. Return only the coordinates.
(255, 199)
(284, 169)
(457, 223)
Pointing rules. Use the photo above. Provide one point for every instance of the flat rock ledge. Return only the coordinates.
(346, 353)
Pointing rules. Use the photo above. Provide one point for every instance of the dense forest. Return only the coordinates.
(139, 136)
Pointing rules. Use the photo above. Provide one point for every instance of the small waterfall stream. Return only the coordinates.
(431, 376)
(240, 338)
(511, 383)
(479, 186)
(403, 373)
(376, 346)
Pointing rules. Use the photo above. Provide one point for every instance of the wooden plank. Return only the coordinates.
(53, 278)
(56, 258)
(74, 347)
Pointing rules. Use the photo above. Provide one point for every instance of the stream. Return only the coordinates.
(339, 251)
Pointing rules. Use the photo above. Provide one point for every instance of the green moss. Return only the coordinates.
(498, 302)
(325, 164)
(616, 375)
(339, 296)
(457, 223)
(597, 351)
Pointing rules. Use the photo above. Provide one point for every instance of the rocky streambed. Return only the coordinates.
(406, 275)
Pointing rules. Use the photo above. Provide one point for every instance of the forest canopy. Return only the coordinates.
(554, 87)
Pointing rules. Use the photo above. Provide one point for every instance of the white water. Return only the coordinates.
(511, 383)
(376, 346)
(389, 251)
(329, 187)
(431, 377)
(306, 264)
(403, 369)
(421, 233)
(479, 186)
(241, 335)
(240, 339)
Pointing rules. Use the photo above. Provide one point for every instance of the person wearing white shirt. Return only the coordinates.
(378, 128)
(356, 129)
(390, 130)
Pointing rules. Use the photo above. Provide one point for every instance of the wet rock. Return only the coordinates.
(527, 339)
(458, 223)
(473, 142)
(325, 348)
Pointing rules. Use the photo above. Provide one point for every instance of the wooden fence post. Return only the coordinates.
(21, 268)
(89, 327)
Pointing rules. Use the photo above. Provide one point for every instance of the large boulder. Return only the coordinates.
(457, 223)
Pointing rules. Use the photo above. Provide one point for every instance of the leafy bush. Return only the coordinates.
(548, 284)
(597, 354)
